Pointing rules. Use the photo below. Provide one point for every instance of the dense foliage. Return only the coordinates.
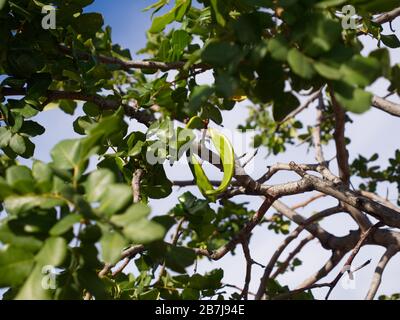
(87, 210)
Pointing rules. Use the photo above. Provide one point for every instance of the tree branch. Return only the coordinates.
(387, 106)
(305, 203)
(103, 103)
(387, 215)
(289, 294)
(131, 64)
(317, 132)
(342, 155)
(349, 261)
(266, 276)
(377, 198)
(328, 267)
(387, 16)
(314, 229)
(377, 278)
(244, 233)
(282, 268)
(249, 265)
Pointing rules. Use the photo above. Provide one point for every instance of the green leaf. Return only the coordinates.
(353, 99)
(82, 125)
(190, 294)
(195, 123)
(112, 245)
(88, 23)
(67, 154)
(144, 231)
(53, 253)
(391, 41)
(259, 3)
(135, 225)
(26, 243)
(65, 224)
(284, 106)
(91, 109)
(38, 85)
(43, 175)
(18, 204)
(322, 34)
(116, 198)
(179, 41)
(279, 48)
(32, 288)
(212, 113)
(179, 258)
(5, 189)
(300, 64)
(90, 280)
(383, 56)
(176, 14)
(153, 294)
(211, 280)
(181, 8)
(97, 184)
(17, 144)
(2, 3)
(32, 128)
(5, 137)
(361, 70)
(220, 54)
(20, 178)
(68, 106)
(327, 71)
(18, 122)
(199, 96)
(156, 6)
(159, 23)
(109, 125)
(15, 266)
(219, 17)
(134, 213)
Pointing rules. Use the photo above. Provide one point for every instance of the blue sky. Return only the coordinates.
(129, 23)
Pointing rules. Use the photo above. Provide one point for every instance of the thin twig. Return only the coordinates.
(302, 107)
(305, 203)
(326, 268)
(282, 268)
(272, 262)
(249, 265)
(303, 224)
(237, 288)
(349, 261)
(245, 232)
